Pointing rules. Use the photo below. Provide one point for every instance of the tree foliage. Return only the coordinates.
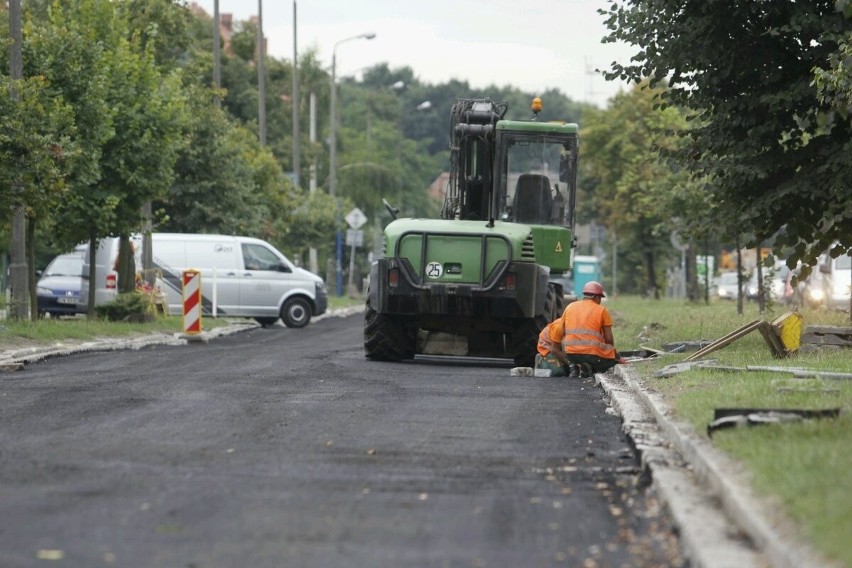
(745, 72)
(36, 145)
(630, 187)
(124, 88)
(70, 54)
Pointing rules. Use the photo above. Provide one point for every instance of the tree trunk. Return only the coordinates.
(706, 273)
(126, 268)
(93, 273)
(691, 274)
(653, 288)
(31, 276)
(761, 299)
(739, 276)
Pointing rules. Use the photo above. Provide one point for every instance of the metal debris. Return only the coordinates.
(797, 372)
(733, 417)
(675, 368)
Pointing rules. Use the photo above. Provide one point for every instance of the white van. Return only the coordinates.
(106, 276)
(836, 280)
(240, 277)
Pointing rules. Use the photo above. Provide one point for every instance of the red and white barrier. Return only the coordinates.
(191, 301)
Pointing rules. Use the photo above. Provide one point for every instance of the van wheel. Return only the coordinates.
(266, 322)
(296, 312)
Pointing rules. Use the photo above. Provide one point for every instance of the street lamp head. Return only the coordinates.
(369, 35)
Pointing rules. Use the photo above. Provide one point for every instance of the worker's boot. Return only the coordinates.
(586, 371)
(574, 372)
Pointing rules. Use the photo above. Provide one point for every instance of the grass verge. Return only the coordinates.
(806, 466)
(339, 302)
(48, 331)
(14, 334)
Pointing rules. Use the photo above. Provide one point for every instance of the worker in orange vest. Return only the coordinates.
(584, 342)
(545, 359)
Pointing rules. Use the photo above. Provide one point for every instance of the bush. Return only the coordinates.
(132, 306)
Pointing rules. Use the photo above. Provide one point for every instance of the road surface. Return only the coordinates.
(286, 447)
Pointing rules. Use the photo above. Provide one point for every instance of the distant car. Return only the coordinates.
(58, 289)
(727, 286)
(775, 283)
(836, 281)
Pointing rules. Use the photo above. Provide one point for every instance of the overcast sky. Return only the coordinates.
(530, 44)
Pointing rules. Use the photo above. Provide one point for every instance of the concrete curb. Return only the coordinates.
(15, 359)
(721, 479)
(35, 354)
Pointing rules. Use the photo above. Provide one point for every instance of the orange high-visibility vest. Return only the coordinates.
(545, 343)
(583, 323)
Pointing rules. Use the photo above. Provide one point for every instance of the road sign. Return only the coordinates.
(356, 218)
(354, 238)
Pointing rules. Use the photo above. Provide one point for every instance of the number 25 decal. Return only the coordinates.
(434, 270)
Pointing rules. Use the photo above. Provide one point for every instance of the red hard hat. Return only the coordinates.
(593, 288)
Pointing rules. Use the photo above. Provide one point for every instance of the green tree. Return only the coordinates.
(128, 117)
(60, 46)
(36, 145)
(213, 190)
(747, 72)
(36, 155)
(164, 27)
(137, 164)
(627, 184)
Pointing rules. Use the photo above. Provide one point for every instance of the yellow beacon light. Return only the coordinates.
(536, 105)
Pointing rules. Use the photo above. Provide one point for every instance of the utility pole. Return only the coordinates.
(18, 266)
(261, 82)
(296, 133)
(217, 54)
(614, 264)
(313, 262)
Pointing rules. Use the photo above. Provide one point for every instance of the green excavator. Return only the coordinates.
(482, 280)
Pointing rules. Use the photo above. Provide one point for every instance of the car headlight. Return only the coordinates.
(41, 291)
(723, 292)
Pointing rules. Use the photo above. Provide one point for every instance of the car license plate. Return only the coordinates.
(67, 300)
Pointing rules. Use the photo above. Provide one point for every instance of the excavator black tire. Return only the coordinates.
(386, 338)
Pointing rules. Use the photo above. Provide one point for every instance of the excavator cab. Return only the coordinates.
(535, 181)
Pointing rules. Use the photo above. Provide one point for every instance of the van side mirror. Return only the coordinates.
(283, 267)
(825, 268)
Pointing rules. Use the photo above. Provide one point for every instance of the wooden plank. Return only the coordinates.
(770, 335)
(726, 340)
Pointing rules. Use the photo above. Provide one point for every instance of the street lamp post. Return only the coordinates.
(332, 181)
(332, 165)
